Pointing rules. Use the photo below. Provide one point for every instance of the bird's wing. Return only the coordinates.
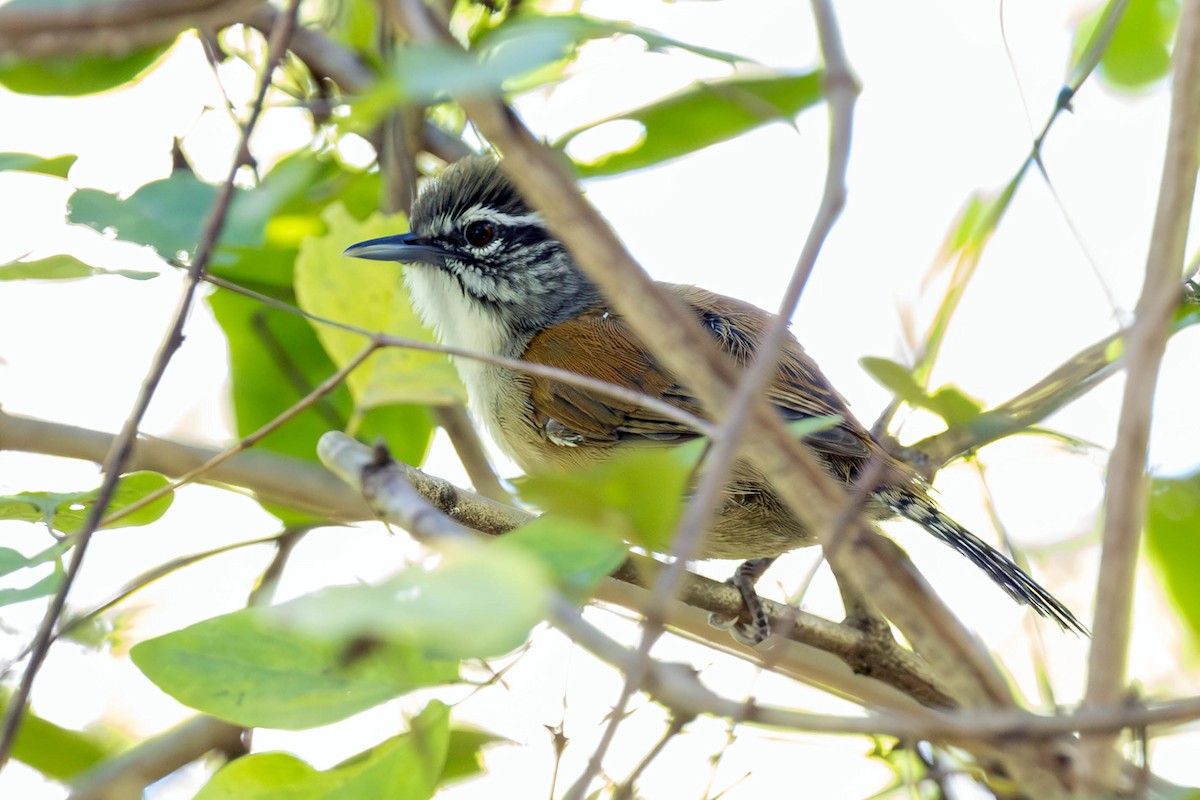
(600, 344)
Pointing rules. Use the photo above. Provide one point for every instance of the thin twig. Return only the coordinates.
(604, 388)
(328, 385)
(1125, 497)
(841, 90)
(123, 444)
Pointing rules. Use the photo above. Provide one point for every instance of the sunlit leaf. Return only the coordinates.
(699, 116)
(66, 512)
(579, 553)
(894, 377)
(479, 602)
(463, 757)
(372, 296)
(276, 359)
(637, 495)
(1172, 520)
(41, 588)
(58, 166)
(948, 402)
(72, 76)
(63, 267)
(246, 668)
(1139, 52)
(405, 767)
(58, 753)
(809, 426)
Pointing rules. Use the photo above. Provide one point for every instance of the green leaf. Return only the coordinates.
(67, 512)
(42, 588)
(809, 426)
(948, 402)
(246, 668)
(57, 166)
(169, 215)
(896, 378)
(72, 76)
(405, 767)
(370, 295)
(1172, 522)
(56, 752)
(577, 552)
(1139, 51)
(463, 757)
(478, 603)
(952, 405)
(63, 267)
(701, 115)
(637, 495)
(523, 52)
(276, 359)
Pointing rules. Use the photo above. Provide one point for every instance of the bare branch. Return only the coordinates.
(1125, 498)
(112, 29)
(123, 445)
(127, 774)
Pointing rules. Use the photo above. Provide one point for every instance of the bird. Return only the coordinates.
(485, 272)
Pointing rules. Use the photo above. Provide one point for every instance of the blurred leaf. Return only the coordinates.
(1172, 522)
(41, 588)
(276, 359)
(463, 757)
(372, 296)
(404, 767)
(952, 405)
(523, 52)
(699, 116)
(58, 166)
(896, 378)
(72, 76)
(577, 552)
(964, 247)
(66, 512)
(264, 226)
(478, 603)
(63, 267)
(948, 402)
(246, 668)
(808, 426)
(167, 215)
(1139, 52)
(637, 495)
(56, 752)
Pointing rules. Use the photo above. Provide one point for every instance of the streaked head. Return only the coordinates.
(483, 242)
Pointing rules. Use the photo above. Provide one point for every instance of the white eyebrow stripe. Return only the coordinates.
(480, 211)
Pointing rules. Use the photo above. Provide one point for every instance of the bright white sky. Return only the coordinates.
(940, 117)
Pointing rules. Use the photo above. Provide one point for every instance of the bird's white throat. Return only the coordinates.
(463, 322)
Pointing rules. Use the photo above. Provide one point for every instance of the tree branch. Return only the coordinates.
(117, 457)
(112, 29)
(1125, 498)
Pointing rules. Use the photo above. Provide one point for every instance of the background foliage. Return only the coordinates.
(437, 631)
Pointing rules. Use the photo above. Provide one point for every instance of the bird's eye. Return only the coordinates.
(480, 233)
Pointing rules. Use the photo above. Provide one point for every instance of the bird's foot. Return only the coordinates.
(752, 625)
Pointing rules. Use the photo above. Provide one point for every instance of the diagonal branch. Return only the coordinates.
(117, 457)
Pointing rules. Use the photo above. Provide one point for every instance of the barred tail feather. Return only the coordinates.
(999, 567)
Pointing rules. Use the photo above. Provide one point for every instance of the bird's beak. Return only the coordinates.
(406, 248)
